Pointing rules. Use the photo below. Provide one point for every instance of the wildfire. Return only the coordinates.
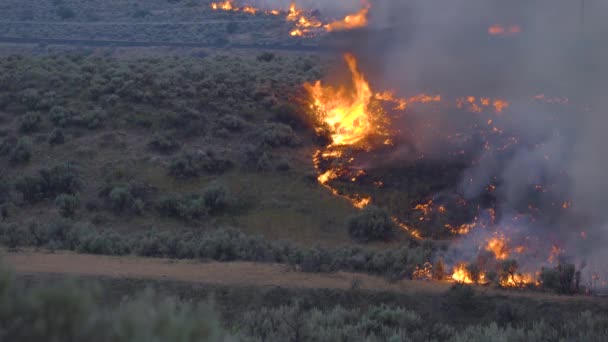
(499, 30)
(229, 5)
(423, 273)
(352, 21)
(518, 280)
(225, 5)
(477, 105)
(346, 113)
(498, 246)
(305, 23)
(462, 274)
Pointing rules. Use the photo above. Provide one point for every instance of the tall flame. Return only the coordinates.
(346, 113)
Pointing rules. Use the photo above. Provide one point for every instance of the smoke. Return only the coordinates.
(443, 47)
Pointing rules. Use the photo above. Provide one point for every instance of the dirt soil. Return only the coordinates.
(221, 273)
(30, 262)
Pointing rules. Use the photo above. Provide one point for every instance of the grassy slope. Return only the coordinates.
(287, 204)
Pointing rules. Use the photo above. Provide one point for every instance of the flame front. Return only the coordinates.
(347, 114)
(305, 23)
(462, 275)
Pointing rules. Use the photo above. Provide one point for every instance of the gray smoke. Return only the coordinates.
(443, 47)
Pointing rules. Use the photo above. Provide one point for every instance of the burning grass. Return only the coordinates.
(359, 123)
(306, 23)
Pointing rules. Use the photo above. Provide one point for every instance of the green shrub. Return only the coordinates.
(561, 279)
(216, 198)
(213, 201)
(126, 198)
(61, 116)
(265, 56)
(30, 122)
(164, 143)
(56, 137)
(63, 178)
(67, 204)
(371, 224)
(277, 135)
(22, 151)
(69, 311)
(65, 13)
(190, 164)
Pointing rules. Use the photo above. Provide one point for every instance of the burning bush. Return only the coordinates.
(371, 224)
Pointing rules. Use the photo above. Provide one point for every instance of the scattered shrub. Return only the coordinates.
(63, 178)
(265, 56)
(213, 201)
(67, 204)
(56, 137)
(126, 198)
(30, 122)
(278, 135)
(69, 311)
(164, 143)
(562, 278)
(22, 151)
(193, 164)
(372, 223)
(61, 116)
(65, 13)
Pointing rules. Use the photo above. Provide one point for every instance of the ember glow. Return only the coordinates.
(500, 30)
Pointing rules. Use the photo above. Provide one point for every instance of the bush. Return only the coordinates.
(22, 152)
(61, 116)
(69, 311)
(265, 56)
(213, 201)
(67, 204)
(190, 164)
(561, 279)
(5, 190)
(30, 122)
(164, 143)
(126, 198)
(371, 224)
(277, 135)
(63, 178)
(57, 137)
(216, 198)
(65, 13)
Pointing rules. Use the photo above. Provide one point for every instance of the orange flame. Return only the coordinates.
(462, 275)
(352, 21)
(347, 114)
(498, 246)
(499, 30)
